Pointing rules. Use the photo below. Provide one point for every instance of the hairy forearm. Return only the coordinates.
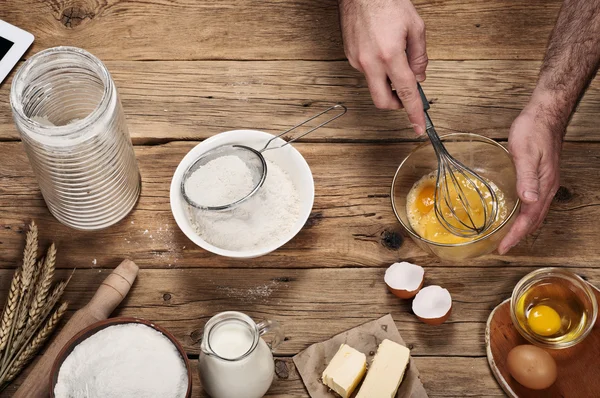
(572, 60)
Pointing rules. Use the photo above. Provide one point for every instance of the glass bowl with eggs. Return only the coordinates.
(413, 190)
(553, 308)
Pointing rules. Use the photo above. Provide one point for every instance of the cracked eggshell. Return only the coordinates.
(432, 305)
(404, 279)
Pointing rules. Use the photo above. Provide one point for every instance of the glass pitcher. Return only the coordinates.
(234, 360)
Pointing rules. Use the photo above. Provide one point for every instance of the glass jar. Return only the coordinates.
(66, 108)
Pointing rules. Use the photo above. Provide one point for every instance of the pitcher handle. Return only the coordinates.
(273, 327)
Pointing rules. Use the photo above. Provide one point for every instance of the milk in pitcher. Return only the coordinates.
(234, 360)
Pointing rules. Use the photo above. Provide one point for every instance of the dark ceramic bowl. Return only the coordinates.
(96, 327)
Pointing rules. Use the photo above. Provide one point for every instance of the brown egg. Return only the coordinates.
(532, 367)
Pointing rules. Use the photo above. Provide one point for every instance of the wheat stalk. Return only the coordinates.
(57, 293)
(29, 274)
(44, 283)
(34, 345)
(25, 287)
(30, 313)
(9, 309)
(44, 311)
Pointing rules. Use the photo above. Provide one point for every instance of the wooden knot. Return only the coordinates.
(314, 219)
(166, 297)
(72, 17)
(391, 240)
(196, 335)
(284, 279)
(281, 369)
(563, 195)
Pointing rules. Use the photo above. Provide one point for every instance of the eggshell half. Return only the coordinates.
(404, 279)
(432, 305)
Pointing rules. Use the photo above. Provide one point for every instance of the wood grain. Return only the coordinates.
(189, 69)
(272, 29)
(166, 101)
(576, 365)
(352, 223)
(443, 377)
(312, 304)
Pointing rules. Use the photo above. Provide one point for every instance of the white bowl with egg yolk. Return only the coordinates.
(287, 158)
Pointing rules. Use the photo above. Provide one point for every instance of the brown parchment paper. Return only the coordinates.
(365, 338)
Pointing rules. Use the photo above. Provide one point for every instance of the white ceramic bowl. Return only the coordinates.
(288, 158)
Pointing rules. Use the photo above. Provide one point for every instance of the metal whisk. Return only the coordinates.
(449, 173)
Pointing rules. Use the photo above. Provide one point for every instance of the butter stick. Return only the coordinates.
(345, 370)
(386, 371)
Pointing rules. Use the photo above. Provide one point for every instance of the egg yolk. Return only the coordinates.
(544, 320)
(424, 220)
(425, 199)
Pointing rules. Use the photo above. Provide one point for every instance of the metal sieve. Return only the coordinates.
(253, 158)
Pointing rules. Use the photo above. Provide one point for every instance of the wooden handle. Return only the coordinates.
(108, 296)
(113, 290)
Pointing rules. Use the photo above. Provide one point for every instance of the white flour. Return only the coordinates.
(130, 360)
(258, 222)
(221, 181)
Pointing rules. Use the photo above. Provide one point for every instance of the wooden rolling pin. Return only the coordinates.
(109, 295)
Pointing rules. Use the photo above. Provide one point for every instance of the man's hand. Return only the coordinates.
(385, 40)
(535, 138)
(535, 142)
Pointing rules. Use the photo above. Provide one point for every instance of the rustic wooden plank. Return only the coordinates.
(167, 101)
(272, 29)
(443, 377)
(352, 223)
(311, 304)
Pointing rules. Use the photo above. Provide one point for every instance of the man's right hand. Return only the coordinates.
(385, 40)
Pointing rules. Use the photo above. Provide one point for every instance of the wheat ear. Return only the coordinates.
(27, 274)
(43, 286)
(34, 345)
(10, 308)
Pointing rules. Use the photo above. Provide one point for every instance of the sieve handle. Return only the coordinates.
(335, 107)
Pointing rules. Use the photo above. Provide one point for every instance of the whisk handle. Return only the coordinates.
(423, 98)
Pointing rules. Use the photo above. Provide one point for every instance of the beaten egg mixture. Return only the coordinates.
(421, 212)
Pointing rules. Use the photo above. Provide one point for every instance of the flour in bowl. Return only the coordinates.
(128, 360)
(221, 181)
(258, 222)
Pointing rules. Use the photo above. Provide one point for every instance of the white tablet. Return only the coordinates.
(13, 44)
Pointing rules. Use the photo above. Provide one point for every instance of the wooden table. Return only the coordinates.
(189, 69)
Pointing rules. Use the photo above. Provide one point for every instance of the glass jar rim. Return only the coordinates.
(427, 143)
(19, 84)
(541, 274)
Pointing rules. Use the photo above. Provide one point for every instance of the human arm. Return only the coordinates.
(535, 139)
(385, 40)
